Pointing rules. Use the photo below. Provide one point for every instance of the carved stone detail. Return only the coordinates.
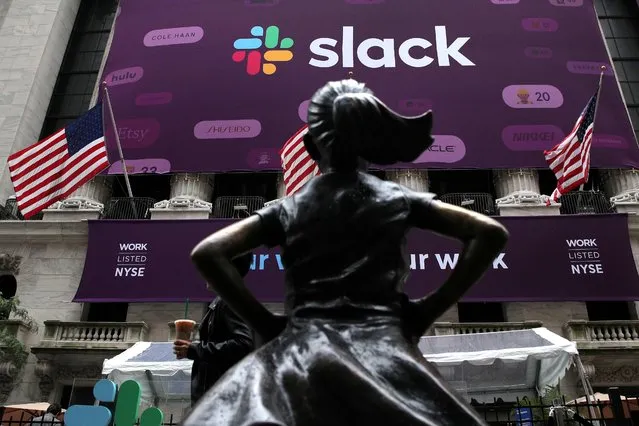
(589, 370)
(614, 375)
(189, 191)
(45, 371)
(622, 186)
(6, 387)
(8, 370)
(8, 374)
(417, 180)
(90, 196)
(518, 187)
(46, 386)
(10, 264)
(82, 371)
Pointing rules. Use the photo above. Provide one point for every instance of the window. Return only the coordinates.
(548, 181)
(107, 312)
(81, 64)
(480, 312)
(461, 181)
(76, 395)
(608, 311)
(245, 184)
(619, 21)
(157, 187)
(8, 288)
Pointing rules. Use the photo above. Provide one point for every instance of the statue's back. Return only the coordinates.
(343, 236)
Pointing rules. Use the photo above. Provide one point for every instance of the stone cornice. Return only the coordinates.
(39, 231)
(34, 231)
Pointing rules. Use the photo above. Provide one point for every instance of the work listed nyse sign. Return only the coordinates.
(131, 259)
(584, 256)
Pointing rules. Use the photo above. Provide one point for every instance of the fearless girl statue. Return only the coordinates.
(345, 354)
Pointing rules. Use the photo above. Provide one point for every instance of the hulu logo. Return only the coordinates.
(127, 405)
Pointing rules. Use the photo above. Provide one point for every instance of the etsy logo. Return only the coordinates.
(257, 59)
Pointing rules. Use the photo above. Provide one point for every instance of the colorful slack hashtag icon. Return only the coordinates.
(248, 49)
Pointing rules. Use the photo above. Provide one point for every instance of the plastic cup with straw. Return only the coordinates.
(184, 327)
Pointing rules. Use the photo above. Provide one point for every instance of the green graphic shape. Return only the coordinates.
(127, 403)
(286, 43)
(272, 37)
(152, 416)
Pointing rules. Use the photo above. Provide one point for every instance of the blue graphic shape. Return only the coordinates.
(87, 415)
(247, 43)
(257, 31)
(524, 416)
(105, 390)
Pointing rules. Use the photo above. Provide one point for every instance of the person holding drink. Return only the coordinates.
(224, 339)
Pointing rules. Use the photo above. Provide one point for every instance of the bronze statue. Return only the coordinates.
(345, 354)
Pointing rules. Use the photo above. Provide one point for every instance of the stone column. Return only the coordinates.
(190, 195)
(87, 202)
(417, 180)
(281, 188)
(622, 186)
(42, 29)
(518, 194)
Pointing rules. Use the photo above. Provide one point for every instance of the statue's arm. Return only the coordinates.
(212, 257)
(482, 237)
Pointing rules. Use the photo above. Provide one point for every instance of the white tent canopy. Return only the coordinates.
(153, 365)
(481, 366)
(513, 363)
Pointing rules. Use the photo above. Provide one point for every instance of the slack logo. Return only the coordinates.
(412, 52)
(127, 405)
(348, 51)
(249, 49)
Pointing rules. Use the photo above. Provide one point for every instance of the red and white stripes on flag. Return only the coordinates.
(51, 169)
(297, 164)
(570, 159)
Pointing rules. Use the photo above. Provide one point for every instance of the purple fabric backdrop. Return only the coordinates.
(184, 98)
(548, 258)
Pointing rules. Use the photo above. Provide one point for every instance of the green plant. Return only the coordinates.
(11, 348)
(538, 403)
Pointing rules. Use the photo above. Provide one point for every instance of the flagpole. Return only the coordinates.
(107, 100)
(594, 117)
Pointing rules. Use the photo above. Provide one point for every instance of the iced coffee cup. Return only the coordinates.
(184, 329)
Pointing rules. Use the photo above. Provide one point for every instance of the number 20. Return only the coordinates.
(542, 96)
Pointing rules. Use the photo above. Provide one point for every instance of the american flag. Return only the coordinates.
(53, 168)
(570, 159)
(298, 165)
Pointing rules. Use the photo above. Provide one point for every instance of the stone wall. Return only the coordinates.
(33, 40)
(50, 260)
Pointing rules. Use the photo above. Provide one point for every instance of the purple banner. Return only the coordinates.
(548, 258)
(208, 86)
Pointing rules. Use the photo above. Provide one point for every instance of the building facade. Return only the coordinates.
(51, 54)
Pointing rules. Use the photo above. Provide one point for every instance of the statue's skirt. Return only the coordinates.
(333, 369)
